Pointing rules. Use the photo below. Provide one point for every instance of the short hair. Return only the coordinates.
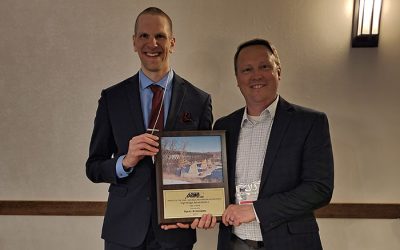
(154, 11)
(253, 42)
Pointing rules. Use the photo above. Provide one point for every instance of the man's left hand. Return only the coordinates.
(238, 214)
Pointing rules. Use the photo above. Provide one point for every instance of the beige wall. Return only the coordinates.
(56, 56)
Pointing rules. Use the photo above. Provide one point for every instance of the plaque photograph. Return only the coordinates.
(191, 175)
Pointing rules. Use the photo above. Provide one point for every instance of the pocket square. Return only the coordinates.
(186, 117)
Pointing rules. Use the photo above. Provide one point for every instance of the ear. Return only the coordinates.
(134, 43)
(172, 43)
(279, 73)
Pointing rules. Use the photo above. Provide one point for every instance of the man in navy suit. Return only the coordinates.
(121, 150)
(280, 161)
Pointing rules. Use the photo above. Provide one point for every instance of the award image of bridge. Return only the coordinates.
(190, 160)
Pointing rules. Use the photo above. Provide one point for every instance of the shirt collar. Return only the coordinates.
(271, 110)
(145, 82)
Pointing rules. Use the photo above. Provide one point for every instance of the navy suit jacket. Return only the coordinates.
(297, 177)
(132, 205)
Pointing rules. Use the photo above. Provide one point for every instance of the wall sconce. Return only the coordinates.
(366, 19)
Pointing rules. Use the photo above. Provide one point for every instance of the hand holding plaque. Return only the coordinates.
(207, 221)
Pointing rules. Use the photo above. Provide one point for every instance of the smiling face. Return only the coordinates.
(257, 76)
(153, 42)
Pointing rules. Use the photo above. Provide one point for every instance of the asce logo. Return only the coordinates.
(193, 195)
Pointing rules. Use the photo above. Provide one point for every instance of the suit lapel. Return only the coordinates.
(281, 122)
(135, 106)
(232, 147)
(178, 94)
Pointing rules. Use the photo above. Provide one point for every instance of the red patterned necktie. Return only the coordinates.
(157, 109)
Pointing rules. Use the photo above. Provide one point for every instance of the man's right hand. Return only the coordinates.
(207, 221)
(139, 147)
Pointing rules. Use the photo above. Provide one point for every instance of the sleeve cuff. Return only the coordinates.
(121, 173)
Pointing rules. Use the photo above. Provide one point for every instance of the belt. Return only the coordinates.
(251, 243)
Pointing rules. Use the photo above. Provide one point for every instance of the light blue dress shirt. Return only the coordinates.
(146, 96)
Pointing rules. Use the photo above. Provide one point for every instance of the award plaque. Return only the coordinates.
(191, 173)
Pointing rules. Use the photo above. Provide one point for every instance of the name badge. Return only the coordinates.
(247, 193)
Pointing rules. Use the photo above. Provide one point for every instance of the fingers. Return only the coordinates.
(225, 216)
(175, 226)
(184, 226)
(225, 220)
(167, 227)
(203, 221)
(229, 215)
(194, 224)
(149, 139)
(213, 222)
(206, 221)
(232, 221)
(139, 147)
(237, 214)
(144, 141)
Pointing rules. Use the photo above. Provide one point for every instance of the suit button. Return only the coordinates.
(148, 198)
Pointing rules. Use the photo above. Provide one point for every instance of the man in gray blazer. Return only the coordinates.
(280, 161)
(121, 150)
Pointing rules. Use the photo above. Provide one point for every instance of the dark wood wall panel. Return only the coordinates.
(359, 210)
(67, 208)
(97, 208)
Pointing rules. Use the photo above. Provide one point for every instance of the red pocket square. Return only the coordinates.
(186, 117)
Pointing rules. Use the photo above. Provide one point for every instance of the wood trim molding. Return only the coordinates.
(359, 211)
(64, 208)
(97, 208)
